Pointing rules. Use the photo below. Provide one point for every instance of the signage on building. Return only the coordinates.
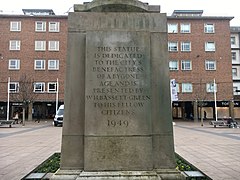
(173, 88)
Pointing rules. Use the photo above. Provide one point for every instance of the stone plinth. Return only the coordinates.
(117, 121)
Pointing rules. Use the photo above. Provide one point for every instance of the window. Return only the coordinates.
(173, 65)
(40, 45)
(234, 72)
(52, 87)
(172, 46)
(186, 65)
(233, 40)
(40, 26)
(235, 90)
(14, 64)
(185, 46)
(210, 87)
(209, 28)
(14, 87)
(53, 64)
(54, 26)
(53, 45)
(39, 64)
(172, 28)
(210, 65)
(210, 46)
(14, 45)
(15, 26)
(39, 87)
(185, 28)
(186, 87)
(234, 56)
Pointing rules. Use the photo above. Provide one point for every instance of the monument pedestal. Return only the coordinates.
(117, 117)
(167, 174)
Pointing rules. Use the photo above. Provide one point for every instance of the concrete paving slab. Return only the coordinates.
(23, 148)
(215, 151)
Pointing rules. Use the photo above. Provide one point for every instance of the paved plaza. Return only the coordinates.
(215, 151)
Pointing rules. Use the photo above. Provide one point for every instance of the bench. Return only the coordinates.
(7, 122)
(224, 122)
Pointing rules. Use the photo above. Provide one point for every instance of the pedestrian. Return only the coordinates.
(38, 117)
(16, 117)
(205, 115)
(191, 116)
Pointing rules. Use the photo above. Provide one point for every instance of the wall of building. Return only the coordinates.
(198, 75)
(27, 55)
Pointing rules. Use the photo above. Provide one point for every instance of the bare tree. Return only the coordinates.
(25, 93)
(200, 98)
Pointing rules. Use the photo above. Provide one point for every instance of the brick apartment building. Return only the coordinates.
(199, 52)
(235, 50)
(35, 45)
(235, 46)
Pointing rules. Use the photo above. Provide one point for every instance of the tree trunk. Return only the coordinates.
(201, 116)
(23, 116)
(30, 105)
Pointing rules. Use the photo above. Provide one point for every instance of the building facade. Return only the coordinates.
(199, 51)
(32, 50)
(235, 51)
(35, 45)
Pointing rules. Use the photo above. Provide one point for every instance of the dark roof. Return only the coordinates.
(38, 16)
(187, 12)
(235, 28)
(38, 11)
(195, 14)
(201, 17)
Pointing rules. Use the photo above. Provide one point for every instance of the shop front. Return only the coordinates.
(195, 110)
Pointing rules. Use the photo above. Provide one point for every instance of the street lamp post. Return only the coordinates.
(215, 100)
(8, 87)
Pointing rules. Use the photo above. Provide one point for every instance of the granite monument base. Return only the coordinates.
(166, 174)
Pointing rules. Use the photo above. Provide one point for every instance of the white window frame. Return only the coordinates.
(234, 72)
(234, 56)
(14, 87)
(235, 90)
(39, 64)
(39, 87)
(53, 45)
(53, 64)
(173, 65)
(172, 28)
(187, 88)
(186, 46)
(53, 26)
(210, 87)
(53, 90)
(40, 26)
(186, 65)
(14, 64)
(15, 26)
(210, 65)
(172, 46)
(14, 45)
(210, 46)
(40, 45)
(209, 28)
(185, 28)
(233, 40)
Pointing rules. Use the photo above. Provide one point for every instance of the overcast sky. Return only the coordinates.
(209, 7)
